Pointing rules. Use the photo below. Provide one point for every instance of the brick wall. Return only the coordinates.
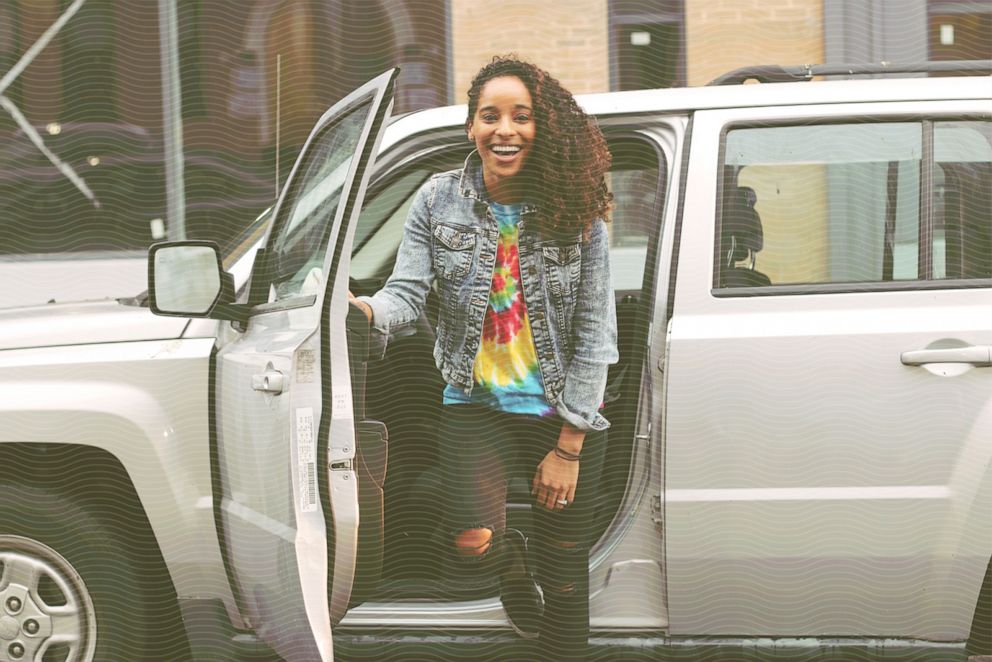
(569, 39)
(722, 35)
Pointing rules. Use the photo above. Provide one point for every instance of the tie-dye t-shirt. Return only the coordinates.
(506, 373)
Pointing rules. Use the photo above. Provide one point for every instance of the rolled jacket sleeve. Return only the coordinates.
(401, 299)
(594, 334)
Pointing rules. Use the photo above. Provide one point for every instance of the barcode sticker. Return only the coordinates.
(306, 454)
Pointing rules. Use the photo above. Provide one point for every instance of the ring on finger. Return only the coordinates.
(562, 502)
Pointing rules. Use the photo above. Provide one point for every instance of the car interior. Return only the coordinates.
(397, 389)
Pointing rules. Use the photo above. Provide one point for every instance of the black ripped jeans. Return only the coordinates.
(481, 449)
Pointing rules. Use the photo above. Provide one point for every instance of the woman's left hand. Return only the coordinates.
(555, 479)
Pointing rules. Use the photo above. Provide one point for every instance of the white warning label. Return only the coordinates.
(306, 454)
(306, 366)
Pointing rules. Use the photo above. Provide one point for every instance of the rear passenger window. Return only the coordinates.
(896, 203)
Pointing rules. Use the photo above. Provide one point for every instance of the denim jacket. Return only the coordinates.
(451, 236)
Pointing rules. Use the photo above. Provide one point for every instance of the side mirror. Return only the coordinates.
(187, 279)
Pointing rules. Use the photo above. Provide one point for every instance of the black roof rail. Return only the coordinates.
(774, 73)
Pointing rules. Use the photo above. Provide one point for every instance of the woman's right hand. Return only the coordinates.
(364, 307)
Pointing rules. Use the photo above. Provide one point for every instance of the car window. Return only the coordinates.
(232, 250)
(302, 233)
(845, 203)
(634, 182)
(380, 225)
(962, 186)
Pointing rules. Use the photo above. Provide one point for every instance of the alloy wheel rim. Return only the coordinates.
(46, 611)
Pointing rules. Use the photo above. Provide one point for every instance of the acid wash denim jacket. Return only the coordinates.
(451, 235)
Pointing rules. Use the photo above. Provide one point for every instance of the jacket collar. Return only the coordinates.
(471, 184)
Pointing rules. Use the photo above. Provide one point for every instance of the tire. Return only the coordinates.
(980, 640)
(69, 584)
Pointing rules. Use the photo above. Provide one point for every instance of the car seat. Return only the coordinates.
(741, 238)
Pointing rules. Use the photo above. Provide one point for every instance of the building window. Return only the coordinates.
(959, 30)
(647, 44)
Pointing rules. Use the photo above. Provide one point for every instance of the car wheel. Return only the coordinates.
(69, 589)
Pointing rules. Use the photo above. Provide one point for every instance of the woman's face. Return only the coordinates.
(503, 130)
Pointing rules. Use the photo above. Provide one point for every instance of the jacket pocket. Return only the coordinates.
(453, 251)
(563, 267)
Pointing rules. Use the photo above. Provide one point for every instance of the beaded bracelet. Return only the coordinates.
(565, 455)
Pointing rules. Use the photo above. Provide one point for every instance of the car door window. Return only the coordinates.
(303, 229)
(838, 204)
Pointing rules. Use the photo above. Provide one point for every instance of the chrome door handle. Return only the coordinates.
(978, 355)
(270, 381)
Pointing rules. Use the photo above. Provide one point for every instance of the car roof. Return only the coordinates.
(689, 99)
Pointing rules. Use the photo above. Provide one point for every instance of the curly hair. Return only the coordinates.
(565, 173)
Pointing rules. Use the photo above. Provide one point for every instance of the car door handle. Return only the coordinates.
(270, 381)
(979, 355)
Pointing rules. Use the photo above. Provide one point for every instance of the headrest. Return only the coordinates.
(741, 221)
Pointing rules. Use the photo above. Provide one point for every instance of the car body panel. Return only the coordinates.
(815, 485)
(88, 323)
(132, 400)
(34, 279)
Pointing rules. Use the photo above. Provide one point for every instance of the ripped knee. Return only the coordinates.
(474, 542)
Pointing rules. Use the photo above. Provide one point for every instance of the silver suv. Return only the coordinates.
(800, 461)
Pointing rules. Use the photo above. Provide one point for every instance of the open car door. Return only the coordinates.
(285, 429)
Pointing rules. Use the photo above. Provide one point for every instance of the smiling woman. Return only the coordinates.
(567, 153)
(517, 245)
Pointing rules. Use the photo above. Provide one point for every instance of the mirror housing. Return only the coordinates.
(187, 279)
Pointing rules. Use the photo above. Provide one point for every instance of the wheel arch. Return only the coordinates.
(153, 446)
(95, 479)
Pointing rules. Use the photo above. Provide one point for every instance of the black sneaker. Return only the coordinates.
(519, 593)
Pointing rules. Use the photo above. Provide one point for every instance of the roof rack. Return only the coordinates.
(774, 73)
